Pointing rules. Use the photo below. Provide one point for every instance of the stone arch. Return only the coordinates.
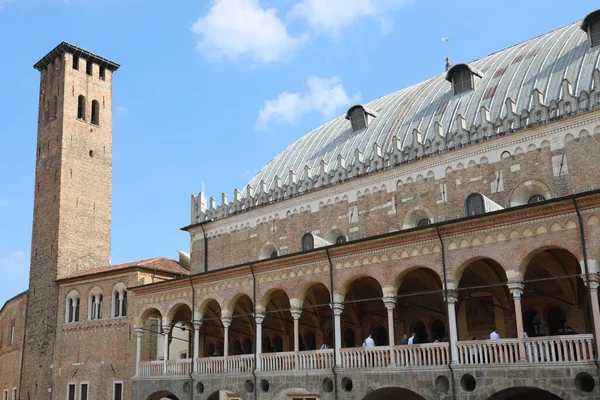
(414, 217)
(343, 289)
(177, 308)
(335, 235)
(458, 274)
(205, 303)
(234, 300)
(529, 383)
(407, 270)
(527, 190)
(301, 295)
(268, 250)
(162, 395)
(376, 392)
(149, 313)
(534, 252)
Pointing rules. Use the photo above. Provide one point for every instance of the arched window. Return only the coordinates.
(92, 308)
(423, 222)
(81, 107)
(475, 205)
(536, 199)
(95, 305)
(124, 304)
(591, 24)
(340, 240)
(463, 78)
(117, 304)
(72, 307)
(308, 242)
(95, 112)
(358, 119)
(273, 254)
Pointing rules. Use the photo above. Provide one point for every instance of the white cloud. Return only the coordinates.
(13, 259)
(332, 15)
(234, 28)
(324, 96)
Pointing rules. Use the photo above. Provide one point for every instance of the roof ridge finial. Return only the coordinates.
(448, 63)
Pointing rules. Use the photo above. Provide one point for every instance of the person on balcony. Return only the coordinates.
(413, 339)
(404, 339)
(494, 335)
(325, 346)
(369, 342)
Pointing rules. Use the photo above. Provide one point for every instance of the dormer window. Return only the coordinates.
(463, 78)
(591, 25)
(360, 117)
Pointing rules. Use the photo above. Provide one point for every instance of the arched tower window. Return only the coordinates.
(475, 204)
(463, 78)
(591, 25)
(81, 107)
(95, 112)
(308, 242)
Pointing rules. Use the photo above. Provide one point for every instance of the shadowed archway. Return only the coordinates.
(524, 393)
(393, 393)
(162, 395)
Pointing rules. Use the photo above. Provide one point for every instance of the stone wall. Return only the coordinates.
(11, 315)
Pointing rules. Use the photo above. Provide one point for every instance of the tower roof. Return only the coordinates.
(65, 47)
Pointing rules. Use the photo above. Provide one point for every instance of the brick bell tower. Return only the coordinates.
(72, 200)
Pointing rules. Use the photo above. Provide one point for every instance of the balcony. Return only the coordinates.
(572, 349)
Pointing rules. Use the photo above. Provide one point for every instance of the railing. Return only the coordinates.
(210, 365)
(151, 368)
(278, 361)
(366, 357)
(316, 359)
(178, 367)
(539, 350)
(499, 351)
(556, 349)
(241, 363)
(430, 354)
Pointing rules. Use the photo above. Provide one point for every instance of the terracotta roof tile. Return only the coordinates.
(159, 264)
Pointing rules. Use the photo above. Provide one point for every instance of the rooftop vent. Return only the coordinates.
(463, 78)
(591, 25)
(360, 117)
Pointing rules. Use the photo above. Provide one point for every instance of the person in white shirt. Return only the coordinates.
(494, 335)
(369, 341)
(413, 339)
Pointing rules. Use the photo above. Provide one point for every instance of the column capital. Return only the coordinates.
(259, 317)
(594, 283)
(338, 308)
(390, 302)
(166, 329)
(197, 325)
(226, 320)
(139, 331)
(296, 312)
(452, 296)
(516, 288)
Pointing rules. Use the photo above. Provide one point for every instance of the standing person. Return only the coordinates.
(494, 335)
(413, 339)
(369, 341)
(404, 339)
(324, 346)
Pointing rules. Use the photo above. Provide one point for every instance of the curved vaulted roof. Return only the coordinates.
(540, 63)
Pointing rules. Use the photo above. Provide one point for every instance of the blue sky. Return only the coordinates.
(210, 91)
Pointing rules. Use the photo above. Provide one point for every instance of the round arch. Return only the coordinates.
(234, 302)
(505, 386)
(268, 250)
(466, 264)
(393, 393)
(343, 289)
(180, 312)
(209, 303)
(527, 190)
(149, 313)
(162, 395)
(525, 262)
(307, 288)
(416, 217)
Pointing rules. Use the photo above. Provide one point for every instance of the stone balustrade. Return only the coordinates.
(549, 349)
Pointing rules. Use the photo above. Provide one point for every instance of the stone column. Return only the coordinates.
(390, 305)
(226, 320)
(296, 314)
(338, 308)
(197, 326)
(139, 331)
(516, 289)
(166, 331)
(258, 320)
(594, 287)
(451, 299)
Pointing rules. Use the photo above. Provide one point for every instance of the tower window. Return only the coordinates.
(102, 72)
(95, 112)
(81, 107)
(308, 242)
(88, 66)
(76, 62)
(475, 205)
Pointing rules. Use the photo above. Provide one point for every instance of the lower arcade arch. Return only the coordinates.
(316, 319)
(162, 396)
(524, 393)
(393, 393)
(363, 311)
